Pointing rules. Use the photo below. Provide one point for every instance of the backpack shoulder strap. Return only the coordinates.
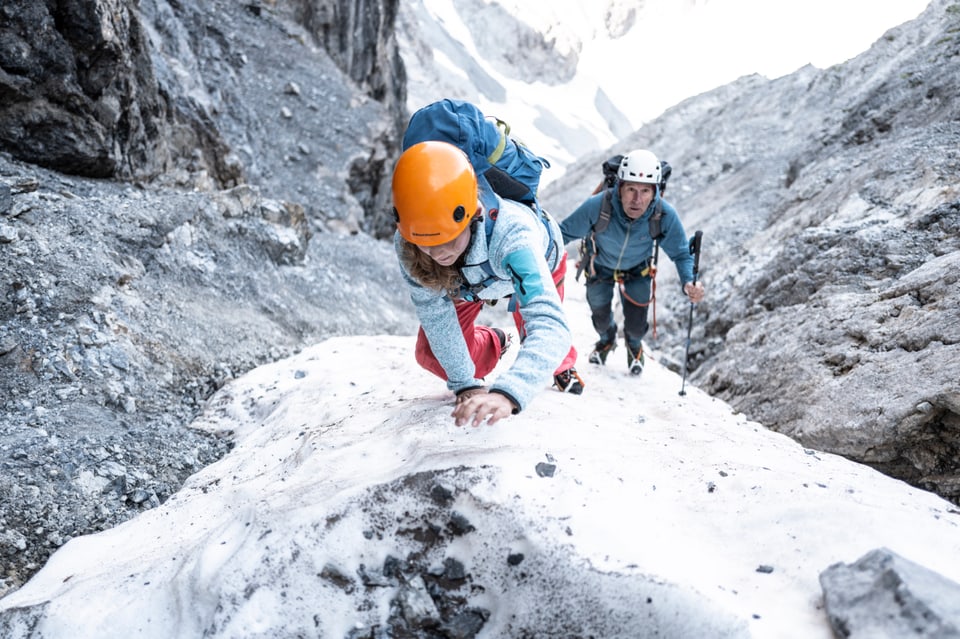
(588, 244)
(488, 221)
(654, 224)
(606, 207)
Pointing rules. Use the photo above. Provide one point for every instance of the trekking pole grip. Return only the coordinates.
(695, 242)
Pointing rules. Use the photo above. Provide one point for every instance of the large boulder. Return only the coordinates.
(885, 595)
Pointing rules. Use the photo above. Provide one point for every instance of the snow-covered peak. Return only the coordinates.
(575, 78)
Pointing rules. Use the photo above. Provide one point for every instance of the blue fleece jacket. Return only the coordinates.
(626, 243)
(518, 255)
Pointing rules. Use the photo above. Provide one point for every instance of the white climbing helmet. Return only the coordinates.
(640, 166)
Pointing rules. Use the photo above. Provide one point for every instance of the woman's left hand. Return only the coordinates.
(694, 291)
(480, 406)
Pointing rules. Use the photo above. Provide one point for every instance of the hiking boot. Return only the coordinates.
(635, 359)
(568, 382)
(600, 351)
(505, 341)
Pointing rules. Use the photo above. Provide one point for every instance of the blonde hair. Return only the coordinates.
(425, 270)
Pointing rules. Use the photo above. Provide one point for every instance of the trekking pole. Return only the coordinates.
(695, 251)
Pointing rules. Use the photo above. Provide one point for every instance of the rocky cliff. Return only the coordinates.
(303, 98)
(184, 190)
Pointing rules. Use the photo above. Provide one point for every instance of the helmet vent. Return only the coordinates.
(459, 213)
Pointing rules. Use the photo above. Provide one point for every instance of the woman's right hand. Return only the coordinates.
(481, 405)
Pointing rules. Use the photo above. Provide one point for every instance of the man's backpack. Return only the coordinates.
(510, 168)
(588, 245)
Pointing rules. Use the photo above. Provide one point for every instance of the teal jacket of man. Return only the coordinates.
(626, 244)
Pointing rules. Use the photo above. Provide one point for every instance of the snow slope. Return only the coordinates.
(625, 512)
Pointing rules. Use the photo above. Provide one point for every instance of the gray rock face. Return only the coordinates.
(882, 595)
(359, 36)
(831, 244)
(78, 91)
(210, 95)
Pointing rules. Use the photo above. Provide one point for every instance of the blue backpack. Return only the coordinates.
(502, 164)
(506, 165)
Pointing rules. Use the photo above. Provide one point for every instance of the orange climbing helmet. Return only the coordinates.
(434, 193)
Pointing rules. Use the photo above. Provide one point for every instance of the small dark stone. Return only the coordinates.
(391, 567)
(333, 575)
(514, 559)
(764, 568)
(373, 580)
(467, 624)
(441, 494)
(453, 569)
(459, 525)
(546, 470)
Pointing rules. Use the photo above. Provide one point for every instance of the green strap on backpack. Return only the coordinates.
(504, 129)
